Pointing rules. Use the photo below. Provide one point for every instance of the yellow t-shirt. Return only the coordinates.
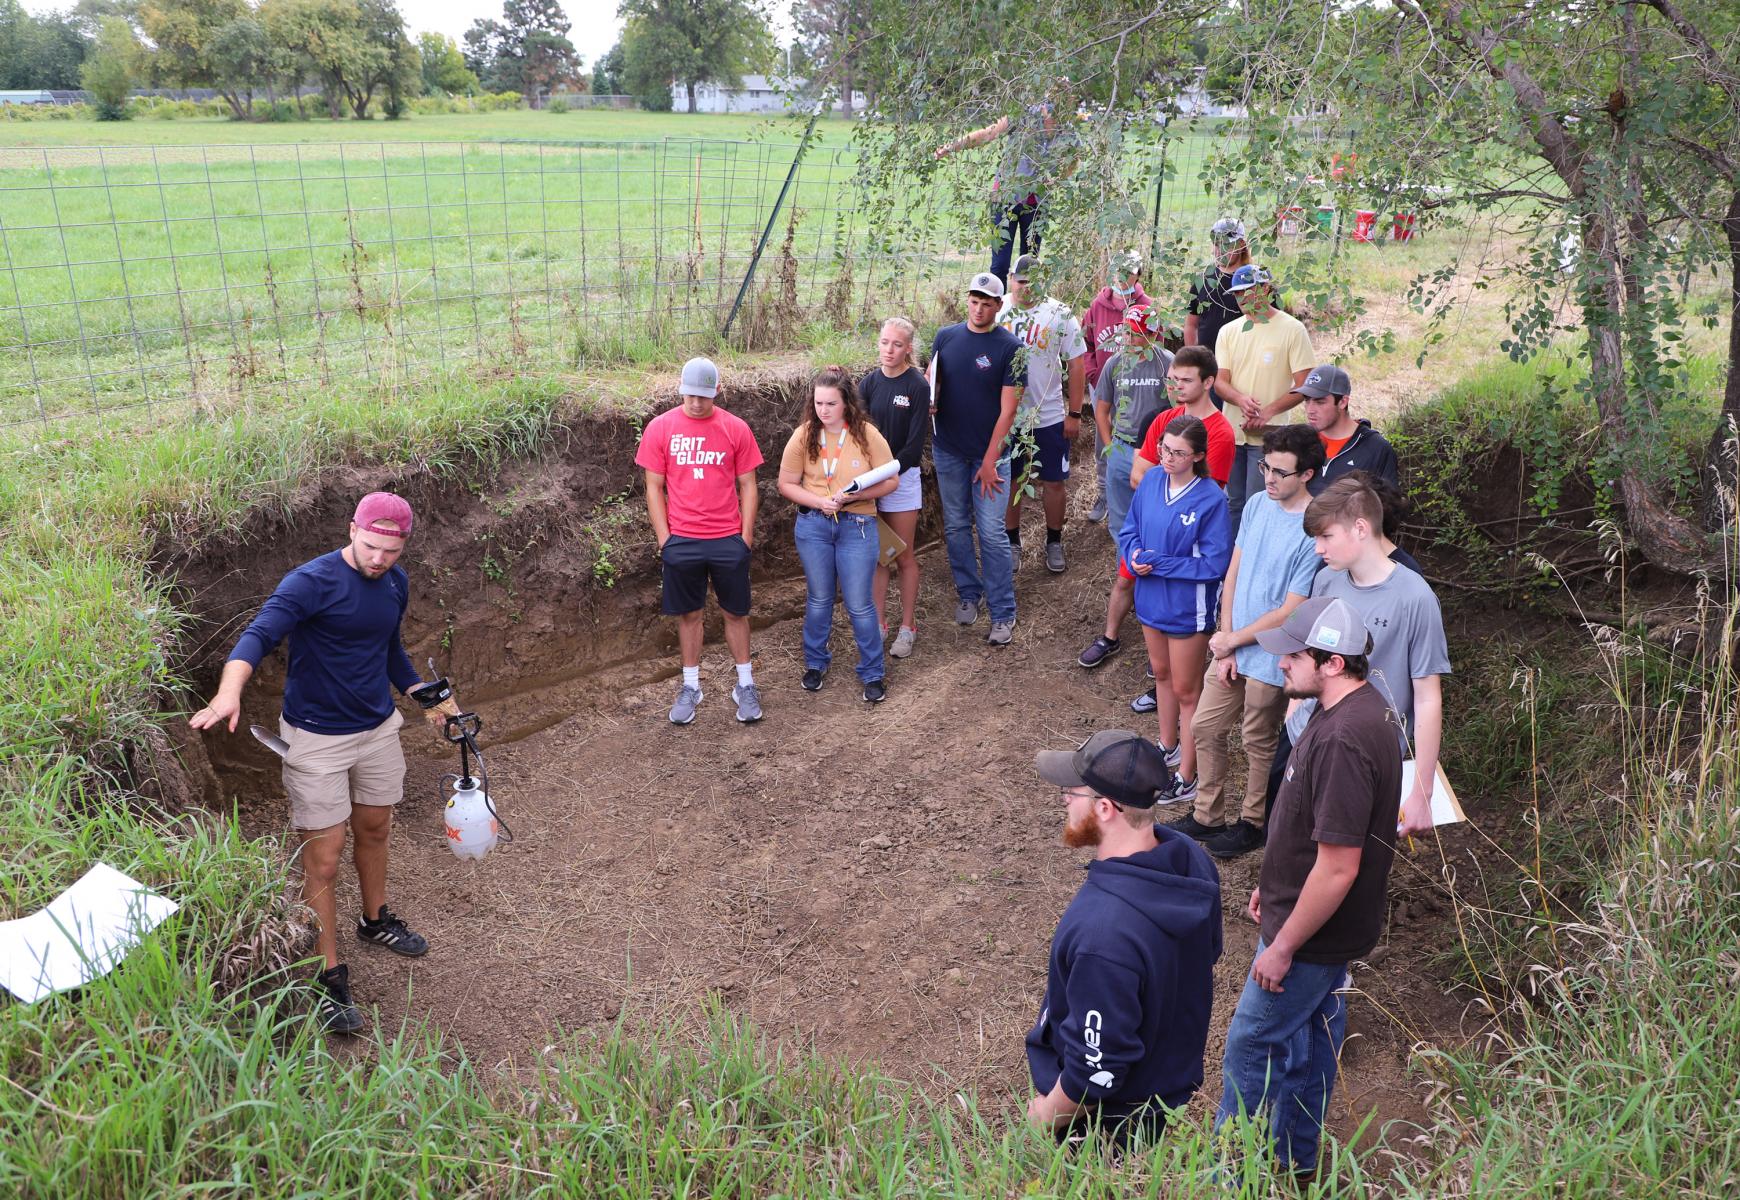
(1261, 360)
(849, 460)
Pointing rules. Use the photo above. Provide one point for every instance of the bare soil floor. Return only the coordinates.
(880, 882)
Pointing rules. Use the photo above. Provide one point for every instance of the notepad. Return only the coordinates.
(1446, 809)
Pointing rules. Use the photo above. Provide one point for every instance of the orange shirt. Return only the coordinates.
(1332, 446)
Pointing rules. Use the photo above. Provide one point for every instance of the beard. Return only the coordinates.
(1083, 834)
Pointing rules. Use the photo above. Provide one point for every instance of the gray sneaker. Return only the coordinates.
(967, 611)
(1054, 557)
(1002, 632)
(748, 702)
(683, 711)
(1097, 513)
(903, 643)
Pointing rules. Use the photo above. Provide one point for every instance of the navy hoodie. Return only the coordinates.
(1366, 450)
(1132, 981)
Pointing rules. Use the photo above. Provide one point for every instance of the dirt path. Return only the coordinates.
(880, 882)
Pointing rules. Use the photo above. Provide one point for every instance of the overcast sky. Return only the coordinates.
(596, 25)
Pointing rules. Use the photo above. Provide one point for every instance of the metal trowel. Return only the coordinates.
(270, 740)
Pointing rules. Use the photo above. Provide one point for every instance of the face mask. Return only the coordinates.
(1121, 291)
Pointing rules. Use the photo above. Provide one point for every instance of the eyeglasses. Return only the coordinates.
(1275, 472)
(1175, 455)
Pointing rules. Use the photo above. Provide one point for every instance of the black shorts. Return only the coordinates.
(1051, 449)
(690, 562)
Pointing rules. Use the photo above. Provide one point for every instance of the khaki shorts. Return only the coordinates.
(327, 773)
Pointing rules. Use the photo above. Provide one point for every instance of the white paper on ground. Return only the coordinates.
(1446, 809)
(82, 934)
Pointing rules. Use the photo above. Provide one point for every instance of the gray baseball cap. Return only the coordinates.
(700, 378)
(1024, 267)
(986, 284)
(1326, 381)
(1228, 230)
(1326, 623)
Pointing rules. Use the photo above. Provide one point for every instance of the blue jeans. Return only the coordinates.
(1015, 225)
(1118, 490)
(1281, 1053)
(1245, 481)
(966, 511)
(840, 555)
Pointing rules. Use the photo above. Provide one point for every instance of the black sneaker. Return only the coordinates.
(813, 677)
(334, 1008)
(1098, 650)
(393, 933)
(875, 692)
(1241, 837)
(1189, 826)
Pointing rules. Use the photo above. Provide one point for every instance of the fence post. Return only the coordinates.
(767, 231)
(1159, 194)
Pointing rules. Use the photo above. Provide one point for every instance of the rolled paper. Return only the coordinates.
(873, 476)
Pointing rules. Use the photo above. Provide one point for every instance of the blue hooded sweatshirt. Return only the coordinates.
(1132, 981)
(1188, 539)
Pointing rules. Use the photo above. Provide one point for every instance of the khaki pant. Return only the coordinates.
(325, 774)
(1263, 707)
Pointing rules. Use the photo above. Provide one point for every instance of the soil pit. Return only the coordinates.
(880, 882)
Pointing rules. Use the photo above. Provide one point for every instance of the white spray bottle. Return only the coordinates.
(473, 825)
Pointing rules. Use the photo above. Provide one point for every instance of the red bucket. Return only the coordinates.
(1403, 227)
(1364, 222)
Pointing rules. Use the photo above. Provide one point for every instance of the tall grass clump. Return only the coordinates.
(1614, 1070)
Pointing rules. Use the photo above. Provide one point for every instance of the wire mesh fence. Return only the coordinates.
(143, 276)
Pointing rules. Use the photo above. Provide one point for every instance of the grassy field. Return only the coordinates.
(152, 261)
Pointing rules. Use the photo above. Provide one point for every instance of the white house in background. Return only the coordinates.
(1193, 100)
(758, 94)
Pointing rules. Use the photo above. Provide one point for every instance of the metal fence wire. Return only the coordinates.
(143, 276)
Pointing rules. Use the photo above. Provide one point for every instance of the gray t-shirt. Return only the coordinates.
(1275, 558)
(1407, 633)
(1134, 390)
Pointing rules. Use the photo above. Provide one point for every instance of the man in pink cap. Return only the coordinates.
(343, 767)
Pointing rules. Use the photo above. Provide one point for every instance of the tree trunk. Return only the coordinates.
(846, 86)
(234, 99)
(334, 96)
(1720, 474)
(1665, 538)
(691, 86)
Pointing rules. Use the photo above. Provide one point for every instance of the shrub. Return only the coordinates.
(558, 105)
(278, 113)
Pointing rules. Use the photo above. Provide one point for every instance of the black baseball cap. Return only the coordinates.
(1124, 767)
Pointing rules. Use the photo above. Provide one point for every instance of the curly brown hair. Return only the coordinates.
(837, 377)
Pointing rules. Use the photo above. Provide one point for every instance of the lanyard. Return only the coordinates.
(831, 465)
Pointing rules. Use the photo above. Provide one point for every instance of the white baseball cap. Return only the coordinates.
(987, 284)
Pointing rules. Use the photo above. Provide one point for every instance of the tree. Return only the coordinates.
(184, 32)
(692, 42)
(444, 69)
(39, 52)
(1616, 122)
(527, 51)
(241, 57)
(355, 49)
(107, 73)
(829, 32)
(607, 73)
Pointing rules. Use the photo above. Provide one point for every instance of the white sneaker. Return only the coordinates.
(903, 643)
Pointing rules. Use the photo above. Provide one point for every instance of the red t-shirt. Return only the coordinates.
(1220, 443)
(700, 461)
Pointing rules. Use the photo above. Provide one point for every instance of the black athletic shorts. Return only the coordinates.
(690, 562)
(1052, 450)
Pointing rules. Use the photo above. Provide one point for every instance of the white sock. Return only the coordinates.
(692, 677)
(745, 675)
(909, 629)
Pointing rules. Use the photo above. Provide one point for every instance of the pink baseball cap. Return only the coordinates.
(385, 514)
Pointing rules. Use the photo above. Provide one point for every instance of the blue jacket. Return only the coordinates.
(1189, 540)
(1132, 981)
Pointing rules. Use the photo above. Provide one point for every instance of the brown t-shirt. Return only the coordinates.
(848, 461)
(1343, 787)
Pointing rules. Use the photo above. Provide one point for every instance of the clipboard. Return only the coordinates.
(1446, 808)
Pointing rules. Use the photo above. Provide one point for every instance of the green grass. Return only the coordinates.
(149, 262)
